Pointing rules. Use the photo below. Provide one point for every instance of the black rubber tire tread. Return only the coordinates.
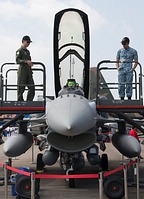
(40, 164)
(114, 187)
(71, 180)
(104, 162)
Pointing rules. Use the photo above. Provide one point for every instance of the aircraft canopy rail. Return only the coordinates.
(8, 91)
(116, 104)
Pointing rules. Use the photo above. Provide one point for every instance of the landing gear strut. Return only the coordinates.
(71, 181)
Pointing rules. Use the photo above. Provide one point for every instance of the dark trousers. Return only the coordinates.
(25, 79)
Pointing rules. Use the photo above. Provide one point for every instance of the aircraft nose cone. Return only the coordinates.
(70, 115)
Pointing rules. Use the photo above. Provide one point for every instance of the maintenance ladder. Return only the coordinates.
(132, 111)
(17, 107)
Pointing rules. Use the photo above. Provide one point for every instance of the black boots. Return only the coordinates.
(122, 98)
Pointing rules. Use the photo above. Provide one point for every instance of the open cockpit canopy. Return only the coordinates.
(71, 49)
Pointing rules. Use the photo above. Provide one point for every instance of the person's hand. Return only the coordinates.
(29, 62)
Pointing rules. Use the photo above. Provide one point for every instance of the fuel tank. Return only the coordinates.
(126, 144)
(17, 144)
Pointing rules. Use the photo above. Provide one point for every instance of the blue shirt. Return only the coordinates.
(126, 55)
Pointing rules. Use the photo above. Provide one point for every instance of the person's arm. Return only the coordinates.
(135, 60)
(135, 64)
(29, 62)
(20, 60)
(117, 63)
(117, 59)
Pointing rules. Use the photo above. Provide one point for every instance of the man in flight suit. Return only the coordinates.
(126, 56)
(25, 77)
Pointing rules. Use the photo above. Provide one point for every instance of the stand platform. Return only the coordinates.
(126, 106)
(15, 107)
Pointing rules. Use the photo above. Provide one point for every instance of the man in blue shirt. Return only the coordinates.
(125, 57)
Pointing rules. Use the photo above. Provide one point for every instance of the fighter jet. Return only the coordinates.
(72, 119)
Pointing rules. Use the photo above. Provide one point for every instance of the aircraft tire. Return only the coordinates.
(114, 188)
(104, 162)
(40, 163)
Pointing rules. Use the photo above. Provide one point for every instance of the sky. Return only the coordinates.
(109, 21)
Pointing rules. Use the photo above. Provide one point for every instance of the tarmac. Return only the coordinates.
(85, 188)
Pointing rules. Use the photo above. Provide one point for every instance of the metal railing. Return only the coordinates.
(136, 85)
(13, 87)
(101, 177)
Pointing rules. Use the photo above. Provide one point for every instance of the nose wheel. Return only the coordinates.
(104, 162)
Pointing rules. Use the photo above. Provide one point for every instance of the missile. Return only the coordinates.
(126, 144)
(17, 144)
(50, 156)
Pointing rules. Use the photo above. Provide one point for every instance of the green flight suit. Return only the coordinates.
(25, 77)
